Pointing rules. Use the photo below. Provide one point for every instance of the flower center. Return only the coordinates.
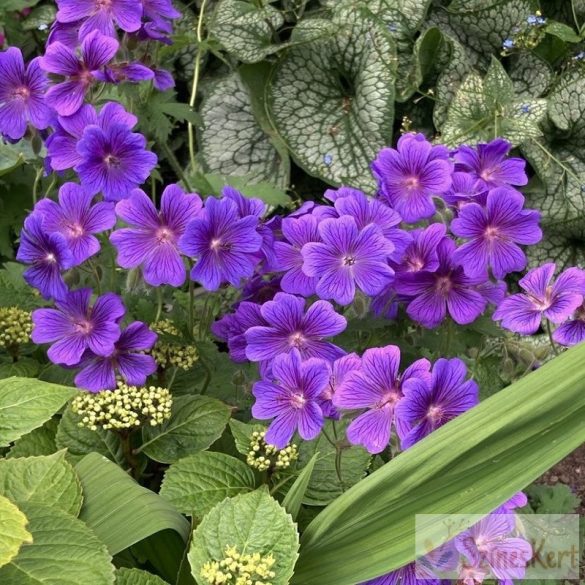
(411, 183)
(21, 93)
(349, 260)
(415, 264)
(51, 258)
(75, 230)
(216, 245)
(580, 313)
(491, 233)
(487, 174)
(297, 400)
(84, 327)
(112, 161)
(389, 398)
(164, 235)
(544, 303)
(297, 339)
(103, 4)
(443, 285)
(435, 413)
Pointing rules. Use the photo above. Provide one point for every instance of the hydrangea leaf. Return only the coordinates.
(231, 141)
(530, 74)
(63, 550)
(48, 480)
(245, 29)
(242, 434)
(325, 484)
(483, 29)
(332, 99)
(14, 155)
(253, 523)
(195, 423)
(126, 576)
(120, 511)
(195, 484)
(483, 109)
(13, 532)
(40, 441)
(23, 368)
(26, 403)
(79, 441)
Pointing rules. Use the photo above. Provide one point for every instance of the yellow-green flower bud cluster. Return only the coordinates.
(168, 353)
(126, 407)
(15, 326)
(239, 569)
(263, 456)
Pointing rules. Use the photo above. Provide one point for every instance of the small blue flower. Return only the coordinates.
(579, 56)
(508, 44)
(532, 19)
(392, 27)
(525, 108)
(328, 160)
(540, 20)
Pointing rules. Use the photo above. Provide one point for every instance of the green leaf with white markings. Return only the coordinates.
(245, 29)
(195, 484)
(26, 403)
(48, 480)
(332, 98)
(63, 550)
(253, 523)
(195, 423)
(13, 532)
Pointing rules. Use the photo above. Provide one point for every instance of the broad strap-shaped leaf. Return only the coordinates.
(333, 473)
(125, 576)
(480, 28)
(231, 140)
(64, 550)
(26, 403)
(332, 97)
(13, 532)
(195, 484)
(195, 423)
(483, 109)
(120, 511)
(294, 497)
(80, 441)
(253, 522)
(246, 29)
(48, 480)
(471, 465)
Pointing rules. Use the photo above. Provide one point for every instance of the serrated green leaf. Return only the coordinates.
(13, 532)
(325, 484)
(23, 368)
(14, 155)
(40, 441)
(195, 423)
(26, 403)
(125, 576)
(231, 141)
(294, 497)
(195, 484)
(64, 550)
(80, 441)
(242, 434)
(40, 18)
(13, 289)
(49, 480)
(332, 99)
(552, 499)
(471, 465)
(253, 523)
(245, 29)
(120, 511)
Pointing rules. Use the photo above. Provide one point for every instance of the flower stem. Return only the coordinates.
(126, 443)
(196, 72)
(550, 337)
(176, 165)
(36, 185)
(159, 303)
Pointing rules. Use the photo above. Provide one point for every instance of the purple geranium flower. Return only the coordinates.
(340, 368)
(523, 312)
(428, 405)
(74, 326)
(378, 388)
(62, 143)
(157, 9)
(572, 331)
(348, 256)
(96, 50)
(101, 15)
(22, 94)
(488, 164)
(448, 289)
(422, 253)
(77, 219)
(489, 542)
(66, 33)
(133, 72)
(152, 239)
(48, 253)
(494, 232)
(292, 399)
(289, 327)
(113, 160)
(163, 80)
(465, 188)
(99, 372)
(224, 244)
(409, 176)
(298, 231)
